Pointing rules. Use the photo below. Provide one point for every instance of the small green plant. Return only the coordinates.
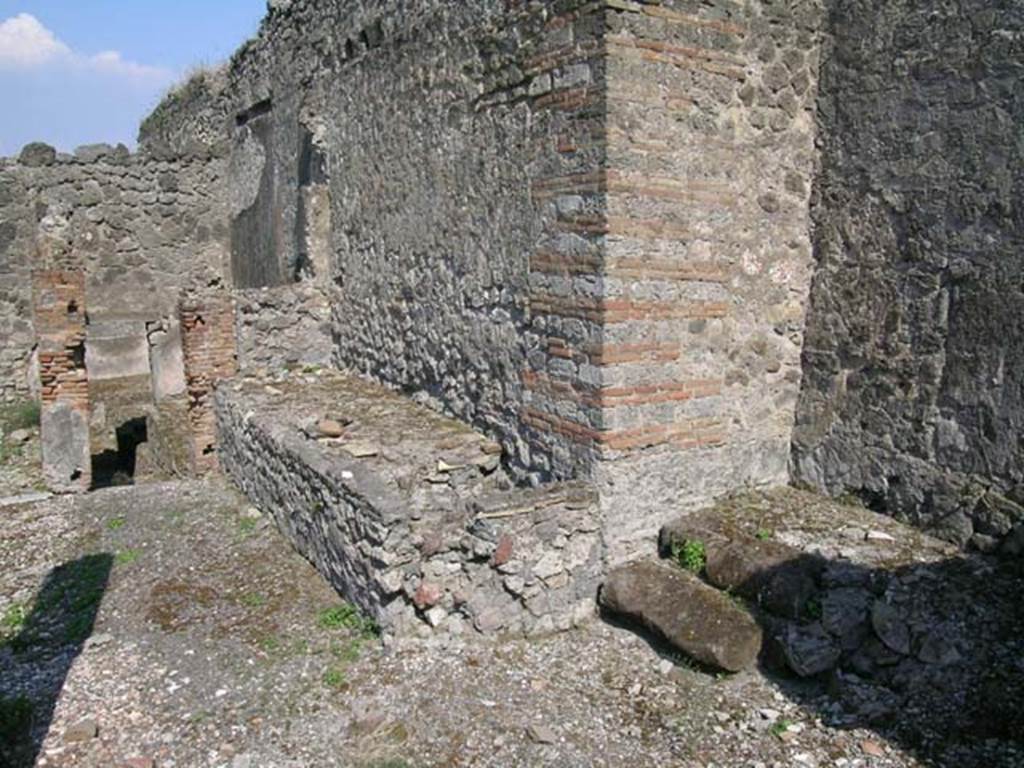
(116, 523)
(812, 608)
(346, 616)
(348, 652)
(779, 727)
(23, 414)
(126, 557)
(334, 677)
(690, 555)
(253, 600)
(246, 526)
(763, 534)
(13, 618)
(269, 644)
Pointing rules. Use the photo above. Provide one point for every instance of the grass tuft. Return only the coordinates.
(779, 727)
(13, 619)
(347, 616)
(126, 557)
(23, 414)
(334, 677)
(253, 600)
(690, 555)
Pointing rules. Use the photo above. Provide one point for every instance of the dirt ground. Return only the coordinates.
(171, 625)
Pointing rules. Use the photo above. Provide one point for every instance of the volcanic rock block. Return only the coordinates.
(37, 154)
(697, 619)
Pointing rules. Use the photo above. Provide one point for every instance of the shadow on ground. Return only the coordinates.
(928, 655)
(38, 649)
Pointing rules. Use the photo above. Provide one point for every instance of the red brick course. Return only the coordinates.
(59, 316)
(208, 345)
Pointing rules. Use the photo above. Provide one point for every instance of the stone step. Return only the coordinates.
(697, 619)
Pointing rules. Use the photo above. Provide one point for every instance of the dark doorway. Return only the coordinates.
(117, 467)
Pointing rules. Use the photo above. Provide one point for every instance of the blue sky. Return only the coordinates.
(81, 71)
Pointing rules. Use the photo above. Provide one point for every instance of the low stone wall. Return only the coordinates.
(407, 513)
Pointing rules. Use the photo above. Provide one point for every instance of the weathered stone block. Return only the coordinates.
(67, 459)
(697, 619)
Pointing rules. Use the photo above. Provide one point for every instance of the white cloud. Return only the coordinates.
(26, 44)
(113, 63)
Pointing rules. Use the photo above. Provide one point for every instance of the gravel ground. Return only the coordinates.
(170, 625)
(20, 465)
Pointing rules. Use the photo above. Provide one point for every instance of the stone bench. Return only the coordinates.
(407, 513)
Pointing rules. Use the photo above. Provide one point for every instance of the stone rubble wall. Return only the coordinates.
(144, 230)
(581, 227)
(913, 393)
(18, 370)
(282, 327)
(441, 211)
(141, 230)
(457, 553)
(394, 159)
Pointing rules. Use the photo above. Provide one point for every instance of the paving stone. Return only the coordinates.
(83, 730)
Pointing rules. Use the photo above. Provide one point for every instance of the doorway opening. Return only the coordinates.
(117, 467)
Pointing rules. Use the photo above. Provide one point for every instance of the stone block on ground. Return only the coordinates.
(65, 445)
(697, 619)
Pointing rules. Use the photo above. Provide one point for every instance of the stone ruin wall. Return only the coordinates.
(580, 227)
(140, 230)
(588, 229)
(389, 155)
(135, 233)
(710, 137)
(913, 392)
